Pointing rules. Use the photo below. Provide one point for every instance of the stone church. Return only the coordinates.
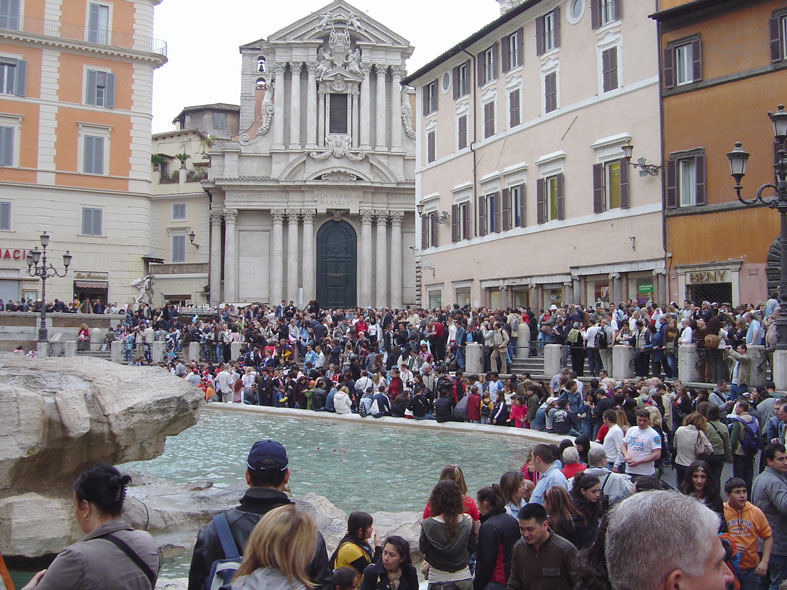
(317, 192)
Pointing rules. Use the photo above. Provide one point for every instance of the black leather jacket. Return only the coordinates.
(255, 503)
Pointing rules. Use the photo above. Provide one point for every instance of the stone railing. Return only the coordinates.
(180, 268)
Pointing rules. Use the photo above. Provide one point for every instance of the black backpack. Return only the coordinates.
(601, 338)
(223, 570)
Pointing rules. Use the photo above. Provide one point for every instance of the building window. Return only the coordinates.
(487, 65)
(338, 114)
(429, 230)
(609, 69)
(514, 108)
(682, 62)
(93, 154)
(686, 179)
(219, 120)
(778, 31)
(178, 248)
(493, 216)
(430, 98)
(460, 222)
(548, 32)
(13, 74)
(516, 198)
(513, 53)
(610, 185)
(5, 216)
(431, 140)
(489, 119)
(551, 201)
(7, 145)
(100, 90)
(461, 86)
(550, 92)
(9, 14)
(604, 12)
(461, 132)
(91, 221)
(179, 211)
(98, 23)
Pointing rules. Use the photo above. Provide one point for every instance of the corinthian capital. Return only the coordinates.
(216, 217)
(230, 215)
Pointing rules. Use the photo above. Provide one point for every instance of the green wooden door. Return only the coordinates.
(336, 267)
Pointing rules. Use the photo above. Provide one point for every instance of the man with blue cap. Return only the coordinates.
(267, 473)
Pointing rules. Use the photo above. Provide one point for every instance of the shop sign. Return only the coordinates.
(645, 289)
(12, 254)
(91, 276)
(707, 276)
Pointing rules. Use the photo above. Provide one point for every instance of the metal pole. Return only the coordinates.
(781, 196)
(42, 332)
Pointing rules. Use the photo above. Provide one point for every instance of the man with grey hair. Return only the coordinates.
(663, 540)
(614, 486)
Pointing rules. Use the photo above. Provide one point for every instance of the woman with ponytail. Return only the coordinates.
(111, 555)
(354, 549)
(496, 538)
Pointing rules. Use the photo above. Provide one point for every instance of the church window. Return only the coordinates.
(338, 122)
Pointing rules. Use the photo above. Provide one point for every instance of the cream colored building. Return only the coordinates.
(315, 197)
(524, 194)
(75, 115)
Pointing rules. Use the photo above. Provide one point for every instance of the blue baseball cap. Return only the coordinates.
(267, 455)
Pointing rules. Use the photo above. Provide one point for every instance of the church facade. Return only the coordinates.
(314, 199)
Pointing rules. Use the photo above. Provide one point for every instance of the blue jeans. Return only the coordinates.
(494, 586)
(426, 416)
(460, 357)
(748, 580)
(777, 570)
(736, 390)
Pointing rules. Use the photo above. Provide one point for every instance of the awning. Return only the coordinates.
(99, 285)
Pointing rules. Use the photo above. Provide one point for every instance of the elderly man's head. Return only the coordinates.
(690, 554)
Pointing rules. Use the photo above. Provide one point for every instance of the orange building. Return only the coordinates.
(723, 67)
(76, 83)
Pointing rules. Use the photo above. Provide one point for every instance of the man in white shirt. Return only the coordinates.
(613, 441)
(224, 384)
(686, 335)
(641, 446)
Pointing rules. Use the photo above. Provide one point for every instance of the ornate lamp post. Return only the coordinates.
(44, 271)
(738, 158)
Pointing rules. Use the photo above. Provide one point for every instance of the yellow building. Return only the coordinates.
(76, 83)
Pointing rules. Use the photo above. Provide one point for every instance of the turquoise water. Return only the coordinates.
(369, 466)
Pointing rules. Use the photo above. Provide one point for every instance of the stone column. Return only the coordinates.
(614, 278)
(321, 119)
(295, 105)
(215, 257)
(523, 341)
(396, 260)
(381, 292)
(157, 351)
(780, 369)
(576, 288)
(474, 362)
(553, 359)
(277, 257)
(193, 351)
(278, 107)
(292, 254)
(116, 351)
(311, 106)
(622, 362)
(230, 256)
(69, 348)
(366, 109)
(354, 117)
(687, 363)
(308, 261)
(380, 140)
(568, 292)
(396, 108)
(661, 294)
(235, 350)
(366, 258)
(759, 365)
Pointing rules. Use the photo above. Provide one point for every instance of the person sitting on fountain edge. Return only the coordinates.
(266, 473)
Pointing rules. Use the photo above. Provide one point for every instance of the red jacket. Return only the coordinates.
(474, 407)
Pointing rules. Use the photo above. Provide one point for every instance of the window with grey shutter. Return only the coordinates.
(9, 14)
(482, 227)
(505, 61)
(550, 92)
(541, 200)
(561, 199)
(433, 230)
(520, 204)
(505, 205)
(465, 213)
(609, 66)
(455, 75)
(461, 130)
(430, 146)
(93, 157)
(219, 120)
(13, 76)
(424, 232)
(6, 146)
(178, 248)
(98, 23)
(699, 170)
(599, 196)
(455, 221)
(100, 90)
(520, 46)
(179, 211)
(671, 192)
(91, 221)
(489, 119)
(668, 68)
(540, 41)
(5, 216)
(514, 117)
(777, 26)
(624, 183)
(481, 67)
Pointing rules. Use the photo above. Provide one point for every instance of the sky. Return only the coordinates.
(202, 41)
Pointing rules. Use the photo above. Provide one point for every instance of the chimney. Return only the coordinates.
(506, 5)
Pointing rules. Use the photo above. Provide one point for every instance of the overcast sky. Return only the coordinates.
(203, 37)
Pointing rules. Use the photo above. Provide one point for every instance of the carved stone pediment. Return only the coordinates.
(339, 176)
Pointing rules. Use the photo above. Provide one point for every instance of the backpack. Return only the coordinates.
(223, 570)
(750, 438)
(561, 423)
(601, 338)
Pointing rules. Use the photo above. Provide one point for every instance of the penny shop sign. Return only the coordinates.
(708, 276)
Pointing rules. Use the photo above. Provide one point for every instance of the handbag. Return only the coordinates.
(699, 449)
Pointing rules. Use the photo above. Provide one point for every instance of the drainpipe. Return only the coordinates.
(667, 258)
(475, 131)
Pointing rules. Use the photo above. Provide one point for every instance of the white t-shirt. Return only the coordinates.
(612, 442)
(641, 443)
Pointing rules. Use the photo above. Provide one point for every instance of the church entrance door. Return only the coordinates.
(336, 265)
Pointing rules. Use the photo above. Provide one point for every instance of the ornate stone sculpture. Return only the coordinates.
(338, 146)
(407, 116)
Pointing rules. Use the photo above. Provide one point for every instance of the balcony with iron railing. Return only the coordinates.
(80, 32)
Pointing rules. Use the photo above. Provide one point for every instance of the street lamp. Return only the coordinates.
(44, 271)
(738, 158)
